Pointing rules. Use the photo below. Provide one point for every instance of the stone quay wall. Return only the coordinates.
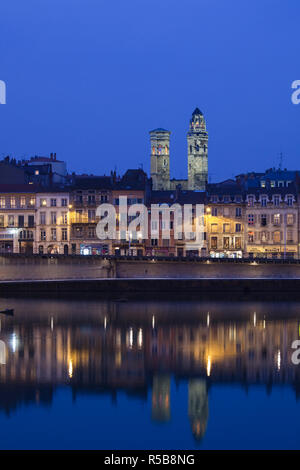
(36, 267)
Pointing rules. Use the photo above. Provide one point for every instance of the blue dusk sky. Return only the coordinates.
(88, 79)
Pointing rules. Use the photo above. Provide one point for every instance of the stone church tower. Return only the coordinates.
(197, 138)
(160, 159)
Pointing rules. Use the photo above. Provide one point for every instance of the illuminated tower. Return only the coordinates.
(161, 398)
(198, 407)
(197, 138)
(160, 159)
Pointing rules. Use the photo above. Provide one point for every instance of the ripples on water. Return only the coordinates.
(158, 375)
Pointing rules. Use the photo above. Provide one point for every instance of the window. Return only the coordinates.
(23, 201)
(31, 221)
(237, 243)
(91, 199)
(12, 202)
(43, 218)
(21, 221)
(250, 237)
(226, 243)
(238, 212)
(226, 228)
(214, 243)
(226, 199)
(53, 218)
(276, 237)
(64, 202)
(64, 218)
(250, 201)
(276, 200)
(276, 219)
(289, 236)
(43, 202)
(91, 215)
(290, 219)
(214, 212)
(92, 232)
(250, 219)
(154, 242)
(263, 220)
(53, 202)
(263, 236)
(1, 220)
(64, 234)
(264, 201)
(43, 235)
(238, 227)
(262, 184)
(214, 228)
(2, 202)
(11, 221)
(78, 232)
(290, 200)
(226, 211)
(53, 234)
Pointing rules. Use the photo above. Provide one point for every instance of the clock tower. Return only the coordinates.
(197, 138)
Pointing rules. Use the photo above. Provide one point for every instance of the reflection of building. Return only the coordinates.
(161, 408)
(114, 347)
(198, 407)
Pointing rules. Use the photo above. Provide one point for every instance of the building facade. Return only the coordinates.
(52, 223)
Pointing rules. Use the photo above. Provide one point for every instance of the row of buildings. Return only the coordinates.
(45, 210)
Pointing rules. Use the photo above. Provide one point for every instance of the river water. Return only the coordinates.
(148, 375)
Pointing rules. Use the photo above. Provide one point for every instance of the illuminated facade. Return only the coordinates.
(17, 218)
(52, 223)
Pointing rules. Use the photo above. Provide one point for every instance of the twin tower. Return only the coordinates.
(197, 138)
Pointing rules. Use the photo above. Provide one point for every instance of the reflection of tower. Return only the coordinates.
(197, 152)
(161, 398)
(160, 159)
(198, 407)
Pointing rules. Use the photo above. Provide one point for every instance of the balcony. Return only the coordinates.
(82, 219)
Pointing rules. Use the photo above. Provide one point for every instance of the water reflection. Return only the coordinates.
(140, 348)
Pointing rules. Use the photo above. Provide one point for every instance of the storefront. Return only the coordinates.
(94, 249)
(6, 242)
(226, 254)
(274, 252)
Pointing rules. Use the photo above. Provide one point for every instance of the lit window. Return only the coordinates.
(276, 219)
(250, 219)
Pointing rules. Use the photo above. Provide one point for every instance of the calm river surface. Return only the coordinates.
(148, 375)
